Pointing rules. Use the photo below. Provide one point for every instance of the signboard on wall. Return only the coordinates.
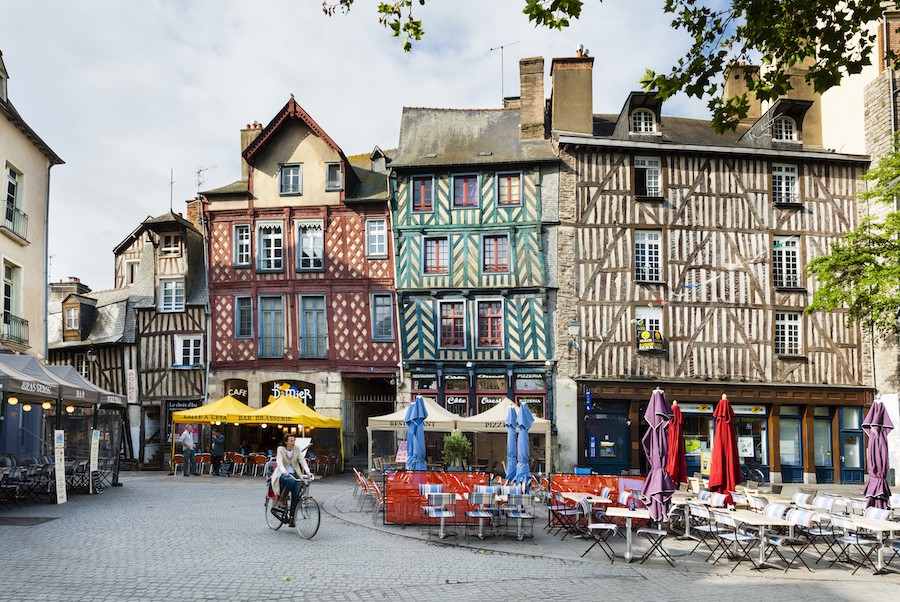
(457, 403)
(237, 388)
(707, 408)
(131, 385)
(59, 465)
(299, 389)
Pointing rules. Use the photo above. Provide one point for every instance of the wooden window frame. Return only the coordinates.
(476, 188)
(422, 206)
(490, 340)
(490, 245)
(438, 269)
(456, 321)
(508, 177)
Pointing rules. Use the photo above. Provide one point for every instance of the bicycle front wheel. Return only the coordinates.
(273, 515)
(306, 517)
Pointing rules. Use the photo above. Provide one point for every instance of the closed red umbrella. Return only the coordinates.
(725, 464)
(676, 465)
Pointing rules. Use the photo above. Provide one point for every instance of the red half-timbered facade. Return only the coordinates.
(301, 276)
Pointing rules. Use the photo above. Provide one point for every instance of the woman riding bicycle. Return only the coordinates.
(290, 463)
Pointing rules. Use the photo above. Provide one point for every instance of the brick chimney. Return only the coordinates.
(888, 37)
(531, 93)
(735, 85)
(194, 209)
(62, 289)
(572, 97)
(248, 135)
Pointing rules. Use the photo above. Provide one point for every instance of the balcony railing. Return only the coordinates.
(16, 221)
(312, 346)
(15, 329)
(271, 347)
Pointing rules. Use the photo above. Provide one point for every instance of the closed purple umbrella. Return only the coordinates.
(877, 425)
(658, 487)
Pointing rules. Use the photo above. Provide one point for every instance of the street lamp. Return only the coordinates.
(574, 329)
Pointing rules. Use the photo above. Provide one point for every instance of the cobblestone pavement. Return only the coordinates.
(204, 538)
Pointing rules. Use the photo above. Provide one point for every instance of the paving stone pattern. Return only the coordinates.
(202, 538)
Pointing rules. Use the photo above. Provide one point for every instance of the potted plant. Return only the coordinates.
(456, 449)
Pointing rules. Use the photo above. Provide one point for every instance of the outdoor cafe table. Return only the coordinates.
(628, 514)
(577, 496)
(755, 519)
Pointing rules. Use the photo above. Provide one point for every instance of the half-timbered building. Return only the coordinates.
(682, 257)
(301, 276)
(146, 338)
(474, 200)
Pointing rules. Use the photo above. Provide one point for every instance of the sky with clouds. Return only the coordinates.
(126, 91)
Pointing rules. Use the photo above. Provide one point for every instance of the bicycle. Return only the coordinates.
(752, 474)
(305, 515)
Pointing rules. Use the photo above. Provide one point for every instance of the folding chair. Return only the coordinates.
(740, 500)
(440, 506)
(482, 510)
(702, 523)
(561, 516)
(801, 519)
(600, 532)
(520, 507)
(656, 536)
(851, 539)
(802, 499)
(879, 514)
(729, 533)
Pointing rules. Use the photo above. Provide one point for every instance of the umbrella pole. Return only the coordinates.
(369, 436)
(172, 455)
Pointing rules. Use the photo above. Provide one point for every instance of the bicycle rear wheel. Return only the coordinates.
(273, 515)
(306, 517)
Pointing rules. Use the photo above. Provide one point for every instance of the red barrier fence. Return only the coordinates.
(403, 504)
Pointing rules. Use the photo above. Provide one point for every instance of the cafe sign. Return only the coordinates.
(486, 401)
(298, 389)
(706, 408)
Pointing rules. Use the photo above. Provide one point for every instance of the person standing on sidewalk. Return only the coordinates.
(218, 450)
(187, 443)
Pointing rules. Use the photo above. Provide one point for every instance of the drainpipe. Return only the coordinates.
(208, 311)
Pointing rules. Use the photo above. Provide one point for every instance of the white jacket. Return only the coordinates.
(282, 461)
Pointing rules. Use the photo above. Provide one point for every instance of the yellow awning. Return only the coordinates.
(215, 411)
(285, 410)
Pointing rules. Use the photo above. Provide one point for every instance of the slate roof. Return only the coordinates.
(116, 320)
(373, 185)
(448, 137)
(7, 109)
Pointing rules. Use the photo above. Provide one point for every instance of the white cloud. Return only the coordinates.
(126, 91)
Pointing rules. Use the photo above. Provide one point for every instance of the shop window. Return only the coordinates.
(790, 442)
(456, 393)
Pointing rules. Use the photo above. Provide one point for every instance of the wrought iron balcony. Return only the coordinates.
(16, 221)
(271, 347)
(14, 330)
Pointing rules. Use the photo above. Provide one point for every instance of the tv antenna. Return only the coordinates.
(200, 179)
(500, 48)
(171, 189)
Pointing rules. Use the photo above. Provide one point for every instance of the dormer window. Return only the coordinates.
(71, 318)
(643, 122)
(784, 129)
(333, 177)
(170, 244)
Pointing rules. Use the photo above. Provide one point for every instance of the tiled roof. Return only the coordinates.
(451, 137)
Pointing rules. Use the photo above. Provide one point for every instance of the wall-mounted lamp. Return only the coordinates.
(509, 374)
(12, 401)
(26, 407)
(469, 365)
(263, 425)
(70, 409)
(92, 354)
(46, 405)
(574, 329)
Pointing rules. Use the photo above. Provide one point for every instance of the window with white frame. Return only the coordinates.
(648, 318)
(465, 191)
(786, 262)
(452, 331)
(333, 178)
(171, 294)
(495, 253)
(12, 298)
(784, 129)
(382, 317)
(647, 255)
(131, 270)
(509, 188)
(490, 323)
(310, 245)
(170, 244)
(784, 183)
(647, 180)
(271, 327)
(437, 255)
(376, 237)
(13, 184)
(82, 365)
(71, 318)
(188, 350)
(241, 239)
(313, 335)
(270, 254)
(643, 121)
(243, 318)
(291, 179)
(788, 337)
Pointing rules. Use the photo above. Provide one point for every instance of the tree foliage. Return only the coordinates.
(862, 271)
(832, 37)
